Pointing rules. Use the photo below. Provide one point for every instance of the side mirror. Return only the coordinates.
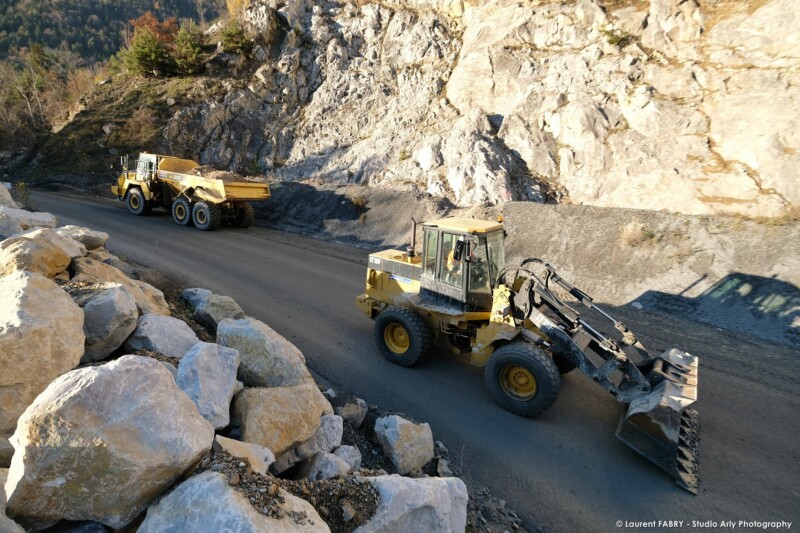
(458, 252)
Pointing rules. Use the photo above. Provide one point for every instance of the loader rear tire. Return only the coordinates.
(182, 211)
(206, 217)
(245, 216)
(402, 336)
(522, 378)
(136, 202)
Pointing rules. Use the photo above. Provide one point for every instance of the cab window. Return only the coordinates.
(431, 243)
(451, 271)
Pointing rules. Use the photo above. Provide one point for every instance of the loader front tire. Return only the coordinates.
(182, 211)
(522, 379)
(136, 202)
(206, 217)
(402, 336)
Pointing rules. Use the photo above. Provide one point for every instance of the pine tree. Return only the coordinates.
(147, 54)
(188, 49)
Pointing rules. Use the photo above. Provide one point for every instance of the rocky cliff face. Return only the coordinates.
(659, 104)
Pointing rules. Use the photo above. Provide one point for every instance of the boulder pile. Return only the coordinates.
(114, 413)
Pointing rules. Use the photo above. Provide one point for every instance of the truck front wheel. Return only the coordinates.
(182, 211)
(136, 202)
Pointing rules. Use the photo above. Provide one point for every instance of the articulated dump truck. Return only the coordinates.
(515, 322)
(169, 182)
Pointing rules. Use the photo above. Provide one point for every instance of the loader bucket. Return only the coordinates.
(661, 426)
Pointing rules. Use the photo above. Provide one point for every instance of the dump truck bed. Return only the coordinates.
(216, 190)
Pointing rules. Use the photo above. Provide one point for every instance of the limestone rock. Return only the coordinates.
(110, 316)
(428, 504)
(68, 245)
(280, 418)
(207, 503)
(350, 454)
(327, 437)
(148, 298)
(207, 374)
(41, 337)
(212, 310)
(8, 226)
(28, 219)
(267, 359)
(194, 296)
(323, 465)
(89, 447)
(259, 457)
(19, 254)
(6, 524)
(409, 446)
(353, 412)
(164, 334)
(90, 238)
(5, 198)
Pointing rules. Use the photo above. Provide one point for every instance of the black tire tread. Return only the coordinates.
(214, 216)
(415, 326)
(188, 206)
(145, 206)
(245, 216)
(548, 378)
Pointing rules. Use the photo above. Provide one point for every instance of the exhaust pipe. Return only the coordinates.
(412, 249)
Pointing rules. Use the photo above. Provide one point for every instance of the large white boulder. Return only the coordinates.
(93, 445)
(90, 238)
(8, 226)
(164, 334)
(28, 219)
(68, 245)
(110, 316)
(350, 454)
(428, 504)
(20, 254)
(280, 418)
(267, 359)
(41, 337)
(207, 374)
(327, 437)
(5, 198)
(259, 457)
(323, 465)
(212, 310)
(208, 504)
(6, 524)
(408, 445)
(148, 298)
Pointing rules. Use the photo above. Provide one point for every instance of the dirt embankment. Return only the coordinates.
(730, 272)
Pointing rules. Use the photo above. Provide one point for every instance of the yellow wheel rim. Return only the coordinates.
(134, 201)
(518, 381)
(201, 216)
(396, 338)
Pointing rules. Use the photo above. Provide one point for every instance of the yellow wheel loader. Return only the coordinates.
(166, 181)
(459, 295)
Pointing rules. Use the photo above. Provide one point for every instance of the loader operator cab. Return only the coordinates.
(461, 260)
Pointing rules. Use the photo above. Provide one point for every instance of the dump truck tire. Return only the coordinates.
(182, 211)
(245, 216)
(206, 217)
(136, 202)
(402, 336)
(522, 378)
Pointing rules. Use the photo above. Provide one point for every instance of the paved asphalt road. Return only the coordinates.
(563, 471)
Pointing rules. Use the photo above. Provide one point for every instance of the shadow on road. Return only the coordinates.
(767, 308)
